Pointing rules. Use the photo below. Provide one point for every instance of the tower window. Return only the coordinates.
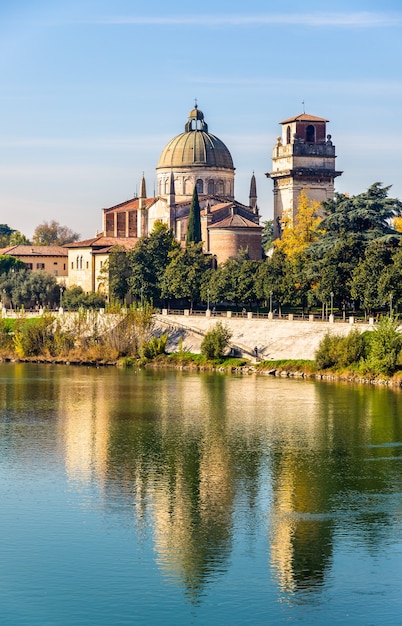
(288, 134)
(219, 187)
(310, 134)
(200, 186)
(211, 187)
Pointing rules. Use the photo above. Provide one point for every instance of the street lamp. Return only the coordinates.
(390, 304)
(207, 299)
(332, 302)
(270, 302)
(61, 297)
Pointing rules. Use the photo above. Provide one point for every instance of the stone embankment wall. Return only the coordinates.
(275, 338)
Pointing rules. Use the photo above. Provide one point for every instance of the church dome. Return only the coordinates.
(196, 147)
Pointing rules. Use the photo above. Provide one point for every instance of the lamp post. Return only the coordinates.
(390, 304)
(207, 299)
(61, 297)
(332, 302)
(270, 302)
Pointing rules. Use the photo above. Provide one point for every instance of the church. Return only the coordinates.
(194, 158)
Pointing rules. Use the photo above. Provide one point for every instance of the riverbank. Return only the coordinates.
(241, 367)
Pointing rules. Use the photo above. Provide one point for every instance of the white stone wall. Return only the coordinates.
(80, 268)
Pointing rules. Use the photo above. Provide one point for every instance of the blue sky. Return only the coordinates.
(92, 90)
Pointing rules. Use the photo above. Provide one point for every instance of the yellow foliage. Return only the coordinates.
(398, 224)
(297, 236)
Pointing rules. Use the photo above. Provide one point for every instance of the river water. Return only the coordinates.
(136, 498)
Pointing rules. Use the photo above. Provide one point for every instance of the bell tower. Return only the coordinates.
(303, 158)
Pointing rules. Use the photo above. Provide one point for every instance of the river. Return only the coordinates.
(137, 498)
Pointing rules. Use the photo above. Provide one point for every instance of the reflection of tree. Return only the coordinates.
(191, 457)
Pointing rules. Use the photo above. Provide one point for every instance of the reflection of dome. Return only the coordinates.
(195, 147)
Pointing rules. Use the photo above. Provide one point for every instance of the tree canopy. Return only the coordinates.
(194, 220)
(53, 234)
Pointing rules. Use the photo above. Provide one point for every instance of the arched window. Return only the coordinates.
(211, 187)
(219, 187)
(310, 134)
(288, 134)
(78, 262)
(200, 186)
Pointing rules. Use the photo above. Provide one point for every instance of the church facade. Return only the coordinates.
(194, 158)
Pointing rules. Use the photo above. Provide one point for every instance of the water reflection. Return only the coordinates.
(193, 457)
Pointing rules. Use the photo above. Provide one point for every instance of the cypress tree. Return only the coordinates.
(194, 220)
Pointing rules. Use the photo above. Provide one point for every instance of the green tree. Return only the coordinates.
(115, 273)
(53, 234)
(367, 284)
(28, 289)
(267, 235)
(18, 239)
(5, 234)
(184, 274)
(75, 298)
(194, 220)
(8, 263)
(384, 347)
(215, 341)
(350, 224)
(147, 263)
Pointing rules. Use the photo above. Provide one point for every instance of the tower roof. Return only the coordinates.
(196, 147)
(304, 117)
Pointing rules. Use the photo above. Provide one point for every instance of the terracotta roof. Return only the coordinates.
(35, 251)
(104, 242)
(304, 117)
(129, 204)
(235, 221)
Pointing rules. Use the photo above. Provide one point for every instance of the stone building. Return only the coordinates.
(194, 158)
(303, 158)
(50, 259)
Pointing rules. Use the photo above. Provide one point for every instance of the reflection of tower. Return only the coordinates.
(86, 427)
(303, 158)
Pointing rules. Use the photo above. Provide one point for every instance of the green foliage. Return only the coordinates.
(34, 337)
(9, 263)
(184, 274)
(384, 347)
(338, 351)
(216, 341)
(155, 346)
(115, 274)
(267, 235)
(28, 289)
(75, 298)
(147, 263)
(193, 234)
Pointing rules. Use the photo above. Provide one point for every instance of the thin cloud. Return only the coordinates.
(362, 19)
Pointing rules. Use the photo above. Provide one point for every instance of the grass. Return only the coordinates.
(296, 365)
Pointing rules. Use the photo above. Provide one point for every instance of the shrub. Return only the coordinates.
(155, 346)
(384, 347)
(338, 351)
(216, 341)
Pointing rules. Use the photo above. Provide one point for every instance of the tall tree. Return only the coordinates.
(184, 274)
(53, 234)
(298, 235)
(148, 261)
(194, 220)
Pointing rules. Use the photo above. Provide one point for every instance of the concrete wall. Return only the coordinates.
(274, 338)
